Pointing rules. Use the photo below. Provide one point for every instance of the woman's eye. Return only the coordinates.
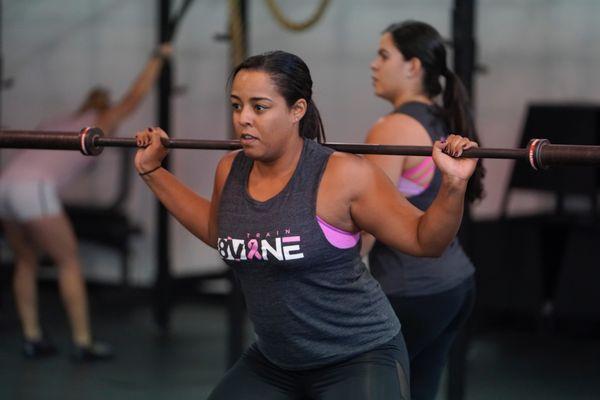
(259, 107)
(235, 106)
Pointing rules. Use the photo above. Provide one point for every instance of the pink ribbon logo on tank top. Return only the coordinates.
(253, 250)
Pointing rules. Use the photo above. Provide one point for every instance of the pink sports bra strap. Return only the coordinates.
(337, 237)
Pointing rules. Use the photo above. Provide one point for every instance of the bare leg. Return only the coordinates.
(55, 236)
(24, 279)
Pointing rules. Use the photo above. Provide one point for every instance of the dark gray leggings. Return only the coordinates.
(429, 326)
(379, 374)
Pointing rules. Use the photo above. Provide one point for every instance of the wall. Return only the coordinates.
(534, 50)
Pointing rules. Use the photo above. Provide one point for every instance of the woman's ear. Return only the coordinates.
(414, 67)
(299, 109)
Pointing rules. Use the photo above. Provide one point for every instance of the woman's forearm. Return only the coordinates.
(441, 222)
(190, 209)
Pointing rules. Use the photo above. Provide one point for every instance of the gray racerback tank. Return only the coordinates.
(404, 275)
(311, 303)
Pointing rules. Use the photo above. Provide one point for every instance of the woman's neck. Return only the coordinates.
(283, 165)
(409, 98)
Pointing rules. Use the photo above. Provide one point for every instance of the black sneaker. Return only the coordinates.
(38, 348)
(97, 351)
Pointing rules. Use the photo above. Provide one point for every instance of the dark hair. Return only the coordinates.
(292, 78)
(420, 40)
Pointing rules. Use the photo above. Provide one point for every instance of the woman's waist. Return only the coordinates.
(304, 348)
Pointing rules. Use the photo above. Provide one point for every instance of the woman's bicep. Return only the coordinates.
(378, 208)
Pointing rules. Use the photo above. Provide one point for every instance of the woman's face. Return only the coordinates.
(261, 117)
(389, 69)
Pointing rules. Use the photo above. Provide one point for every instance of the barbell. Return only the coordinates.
(91, 141)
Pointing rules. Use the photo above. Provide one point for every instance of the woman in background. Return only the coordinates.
(432, 297)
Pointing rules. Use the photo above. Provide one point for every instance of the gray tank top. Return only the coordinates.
(403, 275)
(311, 303)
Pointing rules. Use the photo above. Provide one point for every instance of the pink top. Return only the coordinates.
(415, 180)
(57, 166)
(337, 237)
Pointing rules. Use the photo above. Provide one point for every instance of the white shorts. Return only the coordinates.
(24, 201)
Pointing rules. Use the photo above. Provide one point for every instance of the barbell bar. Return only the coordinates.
(91, 141)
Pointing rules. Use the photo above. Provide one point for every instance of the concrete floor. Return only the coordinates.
(189, 361)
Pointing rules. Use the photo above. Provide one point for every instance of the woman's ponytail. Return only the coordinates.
(459, 118)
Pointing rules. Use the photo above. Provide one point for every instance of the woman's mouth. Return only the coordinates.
(246, 138)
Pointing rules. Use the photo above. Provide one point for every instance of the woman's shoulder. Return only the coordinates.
(396, 129)
(225, 164)
(229, 157)
(348, 169)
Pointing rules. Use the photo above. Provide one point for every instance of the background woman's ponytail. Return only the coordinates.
(459, 118)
